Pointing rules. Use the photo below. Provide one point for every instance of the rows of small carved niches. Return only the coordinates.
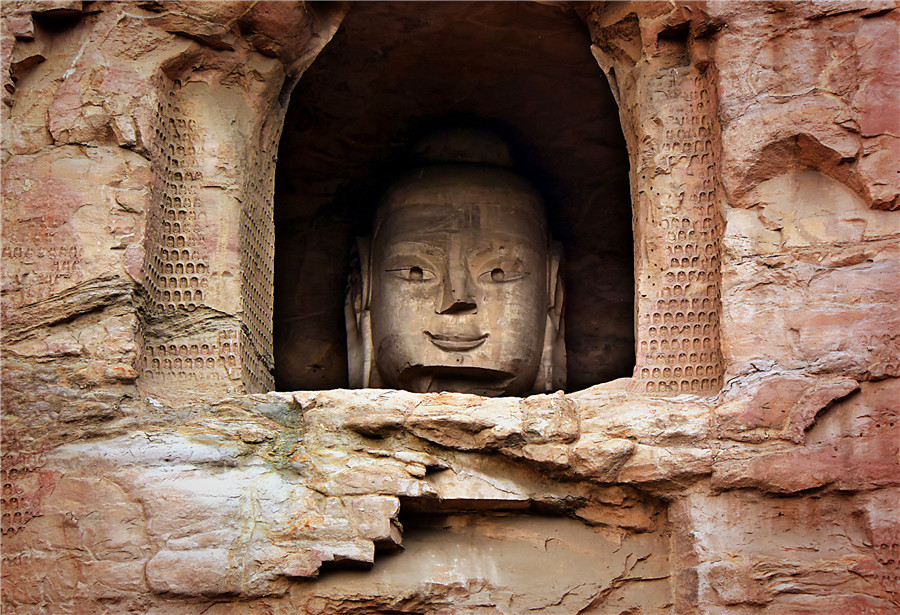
(680, 350)
(679, 339)
(678, 328)
(22, 488)
(176, 270)
(257, 238)
(211, 359)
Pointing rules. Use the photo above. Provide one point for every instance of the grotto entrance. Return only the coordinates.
(395, 71)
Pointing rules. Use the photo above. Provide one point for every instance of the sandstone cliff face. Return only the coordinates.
(750, 464)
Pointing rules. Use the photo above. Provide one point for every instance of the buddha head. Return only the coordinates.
(458, 286)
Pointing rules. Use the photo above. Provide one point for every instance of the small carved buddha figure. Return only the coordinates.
(458, 286)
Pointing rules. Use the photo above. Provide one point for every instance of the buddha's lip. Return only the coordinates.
(456, 342)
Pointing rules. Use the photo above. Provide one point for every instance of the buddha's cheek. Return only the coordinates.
(400, 313)
(516, 319)
(392, 355)
(401, 308)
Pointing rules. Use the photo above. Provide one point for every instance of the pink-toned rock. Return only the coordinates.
(856, 443)
(21, 25)
(789, 554)
(778, 406)
(780, 72)
(753, 284)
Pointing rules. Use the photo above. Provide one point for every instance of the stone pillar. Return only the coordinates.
(208, 271)
(667, 104)
(257, 254)
(191, 333)
(210, 239)
(677, 209)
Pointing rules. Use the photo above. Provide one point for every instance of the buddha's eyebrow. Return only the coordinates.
(405, 246)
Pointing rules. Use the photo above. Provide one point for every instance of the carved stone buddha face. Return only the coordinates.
(460, 287)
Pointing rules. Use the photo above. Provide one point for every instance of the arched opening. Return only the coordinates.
(394, 71)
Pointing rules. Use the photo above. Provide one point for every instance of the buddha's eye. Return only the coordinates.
(413, 273)
(503, 272)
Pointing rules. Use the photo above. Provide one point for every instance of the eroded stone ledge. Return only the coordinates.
(248, 496)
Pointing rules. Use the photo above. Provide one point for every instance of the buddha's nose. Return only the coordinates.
(457, 295)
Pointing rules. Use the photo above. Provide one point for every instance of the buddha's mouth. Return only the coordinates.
(456, 343)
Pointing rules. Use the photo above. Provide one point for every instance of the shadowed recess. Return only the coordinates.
(395, 71)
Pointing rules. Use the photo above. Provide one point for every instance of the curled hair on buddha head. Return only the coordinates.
(460, 181)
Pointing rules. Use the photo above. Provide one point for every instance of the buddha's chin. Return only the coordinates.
(446, 378)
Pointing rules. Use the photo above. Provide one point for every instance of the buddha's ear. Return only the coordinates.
(356, 317)
(552, 374)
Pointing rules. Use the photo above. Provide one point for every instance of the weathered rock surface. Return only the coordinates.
(129, 486)
(250, 495)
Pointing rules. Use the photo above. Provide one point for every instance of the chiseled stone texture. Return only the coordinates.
(778, 495)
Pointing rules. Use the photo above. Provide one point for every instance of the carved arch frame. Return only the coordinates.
(208, 272)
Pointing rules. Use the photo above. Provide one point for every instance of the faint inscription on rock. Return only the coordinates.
(24, 485)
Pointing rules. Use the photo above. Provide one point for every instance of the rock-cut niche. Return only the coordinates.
(396, 72)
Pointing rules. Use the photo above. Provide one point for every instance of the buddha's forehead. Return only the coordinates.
(434, 222)
(485, 203)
